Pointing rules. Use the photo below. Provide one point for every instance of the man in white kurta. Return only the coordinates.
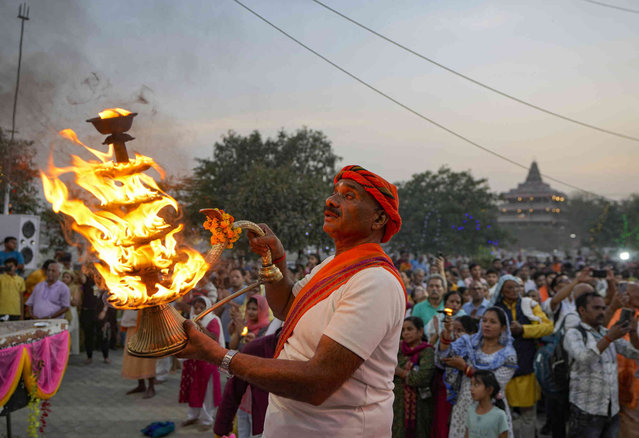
(365, 316)
(334, 364)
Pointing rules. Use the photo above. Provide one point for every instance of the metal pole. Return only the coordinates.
(9, 425)
(23, 14)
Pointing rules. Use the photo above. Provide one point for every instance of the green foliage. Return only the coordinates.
(282, 182)
(446, 211)
(604, 224)
(19, 170)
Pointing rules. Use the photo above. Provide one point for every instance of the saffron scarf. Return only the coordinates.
(330, 278)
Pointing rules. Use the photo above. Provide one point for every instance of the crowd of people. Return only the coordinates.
(479, 349)
(465, 318)
(467, 326)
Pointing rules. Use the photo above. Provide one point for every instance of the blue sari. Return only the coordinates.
(467, 347)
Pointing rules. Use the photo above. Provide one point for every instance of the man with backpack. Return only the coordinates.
(552, 364)
(594, 388)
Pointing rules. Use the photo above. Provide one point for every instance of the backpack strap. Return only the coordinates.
(583, 332)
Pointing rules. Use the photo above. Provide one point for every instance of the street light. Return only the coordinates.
(624, 255)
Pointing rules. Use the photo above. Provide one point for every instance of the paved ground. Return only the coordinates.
(91, 402)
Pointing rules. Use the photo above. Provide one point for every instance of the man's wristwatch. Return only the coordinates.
(226, 362)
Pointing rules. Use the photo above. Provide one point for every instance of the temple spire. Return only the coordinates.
(533, 173)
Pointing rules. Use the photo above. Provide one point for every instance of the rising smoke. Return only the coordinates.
(61, 86)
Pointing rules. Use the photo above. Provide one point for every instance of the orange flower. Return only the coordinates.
(222, 230)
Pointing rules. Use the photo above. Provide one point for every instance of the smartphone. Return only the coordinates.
(599, 273)
(626, 315)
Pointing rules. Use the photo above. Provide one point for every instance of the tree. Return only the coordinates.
(282, 182)
(446, 211)
(628, 237)
(600, 223)
(20, 172)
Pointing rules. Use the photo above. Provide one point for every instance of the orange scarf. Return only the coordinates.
(330, 278)
(626, 369)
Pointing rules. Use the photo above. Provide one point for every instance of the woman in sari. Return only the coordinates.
(491, 348)
(413, 405)
(453, 301)
(200, 385)
(527, 323)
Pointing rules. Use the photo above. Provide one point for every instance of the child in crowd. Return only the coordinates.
(486, 418)
(200, 385)
(465, 325)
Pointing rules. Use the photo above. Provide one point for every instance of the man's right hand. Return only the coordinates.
(584, 276)
(200, 346)
(260, 245)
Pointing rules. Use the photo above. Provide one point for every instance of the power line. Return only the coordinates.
(619, 8)
(476, 82)
(415, 112)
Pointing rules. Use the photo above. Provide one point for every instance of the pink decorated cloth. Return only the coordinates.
(51, 352)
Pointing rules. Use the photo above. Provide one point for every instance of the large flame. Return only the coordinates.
(141, 262)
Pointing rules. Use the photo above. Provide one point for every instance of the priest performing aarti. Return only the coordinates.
(332, 372)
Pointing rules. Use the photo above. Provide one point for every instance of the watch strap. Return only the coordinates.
(226, 362)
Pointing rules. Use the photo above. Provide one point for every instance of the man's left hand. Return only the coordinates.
(200, 346)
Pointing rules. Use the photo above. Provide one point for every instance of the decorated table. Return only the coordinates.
(33, 359)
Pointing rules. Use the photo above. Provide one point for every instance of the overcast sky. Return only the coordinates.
(196, 69)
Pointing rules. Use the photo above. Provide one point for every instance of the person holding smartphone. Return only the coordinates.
(623, 307)
(594, 385)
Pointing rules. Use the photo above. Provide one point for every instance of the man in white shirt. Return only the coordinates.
(334, 366)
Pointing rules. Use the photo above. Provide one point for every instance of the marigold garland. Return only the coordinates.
(222, 229)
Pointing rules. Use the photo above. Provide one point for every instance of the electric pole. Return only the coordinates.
(23, 14)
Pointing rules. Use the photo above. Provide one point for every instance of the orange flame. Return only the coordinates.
(113, 112)
(141, 262)
(244, 331)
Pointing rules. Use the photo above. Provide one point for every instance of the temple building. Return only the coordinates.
(534, 212)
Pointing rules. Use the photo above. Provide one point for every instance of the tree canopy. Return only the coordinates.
(282, 182)
(19, 170)
(599, 223)
(447, 211)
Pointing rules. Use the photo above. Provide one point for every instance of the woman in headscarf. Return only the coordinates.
(526, 324)
(491, 348)
(413, 405)
(200, 384)
(256, 321)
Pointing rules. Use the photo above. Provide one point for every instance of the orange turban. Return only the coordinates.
(384, 192)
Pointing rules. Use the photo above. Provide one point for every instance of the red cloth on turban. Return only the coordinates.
(384, 192)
